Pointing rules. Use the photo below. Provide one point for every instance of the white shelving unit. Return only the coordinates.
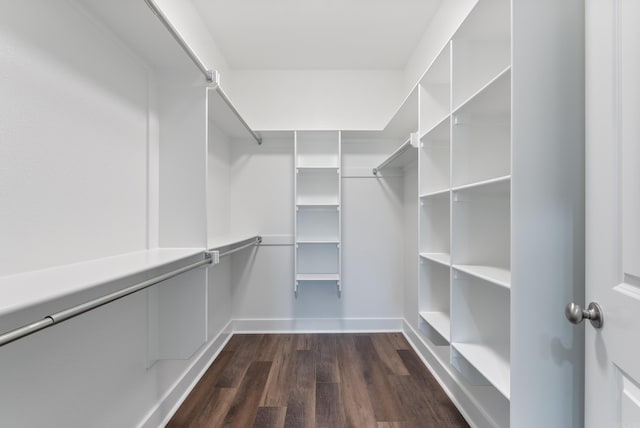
(317, 256)
(484, 158)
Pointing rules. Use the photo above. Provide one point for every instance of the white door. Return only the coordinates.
(612, 353)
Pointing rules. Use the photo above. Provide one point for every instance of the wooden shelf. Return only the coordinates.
(491, 361)
(442, 258)
(440, 321)
(25, 290)
(317, 277)
(495, 275)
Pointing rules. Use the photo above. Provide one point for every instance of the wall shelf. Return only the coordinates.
(439, 321)
(26, 290)
(491, 362)
(442, 258)
(495, 275)
(317, 277)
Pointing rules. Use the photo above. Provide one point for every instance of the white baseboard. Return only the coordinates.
(317, 325)
(449, 379)
(162, 412)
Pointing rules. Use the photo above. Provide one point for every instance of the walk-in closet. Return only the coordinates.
(161, 199)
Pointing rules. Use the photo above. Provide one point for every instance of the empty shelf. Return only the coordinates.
(495, 275)
(491, 362)
(440, 321)
(442, 258)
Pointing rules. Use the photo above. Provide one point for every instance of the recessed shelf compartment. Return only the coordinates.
(435, 91)
(481, 226)
(435, 159)
(318, 187)
(481, 135)
(318, 224)
(317, 258)
(434, 224)
(481, 48)
(480, 328)
(434, 296)
(317, 149)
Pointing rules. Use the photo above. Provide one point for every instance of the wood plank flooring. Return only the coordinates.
(317, 380)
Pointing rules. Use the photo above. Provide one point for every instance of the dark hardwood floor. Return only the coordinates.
(317, 380)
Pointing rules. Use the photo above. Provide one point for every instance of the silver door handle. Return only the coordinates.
(575, 314)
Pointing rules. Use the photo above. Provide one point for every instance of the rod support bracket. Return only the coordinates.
(213, 256)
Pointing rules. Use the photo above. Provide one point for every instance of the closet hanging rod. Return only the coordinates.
(256, 240)
(74, 311)
(208, 74)
(229, 104)
(393, 156)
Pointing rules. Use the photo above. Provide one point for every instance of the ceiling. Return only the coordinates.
(317, 34)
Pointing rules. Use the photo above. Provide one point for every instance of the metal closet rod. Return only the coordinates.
(403, 148)
(256, 240)
(74, 311)
(210, 75)
(233, 109)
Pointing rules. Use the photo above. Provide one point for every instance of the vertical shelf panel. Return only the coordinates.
(435, 89)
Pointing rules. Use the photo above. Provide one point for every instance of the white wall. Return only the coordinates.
(441, 27)
(73, 132)
(372, 243)
(186, 19)
(316, 99)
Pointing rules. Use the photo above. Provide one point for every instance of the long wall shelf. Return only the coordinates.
(495, 275)
(22, 291)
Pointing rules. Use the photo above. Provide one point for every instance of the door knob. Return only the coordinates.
(575, 314)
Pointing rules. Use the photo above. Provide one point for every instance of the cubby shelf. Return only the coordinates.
(495, 275)
(484, 98)
(442, 258)
(491, 361)
(317, 241)
(439, 321)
